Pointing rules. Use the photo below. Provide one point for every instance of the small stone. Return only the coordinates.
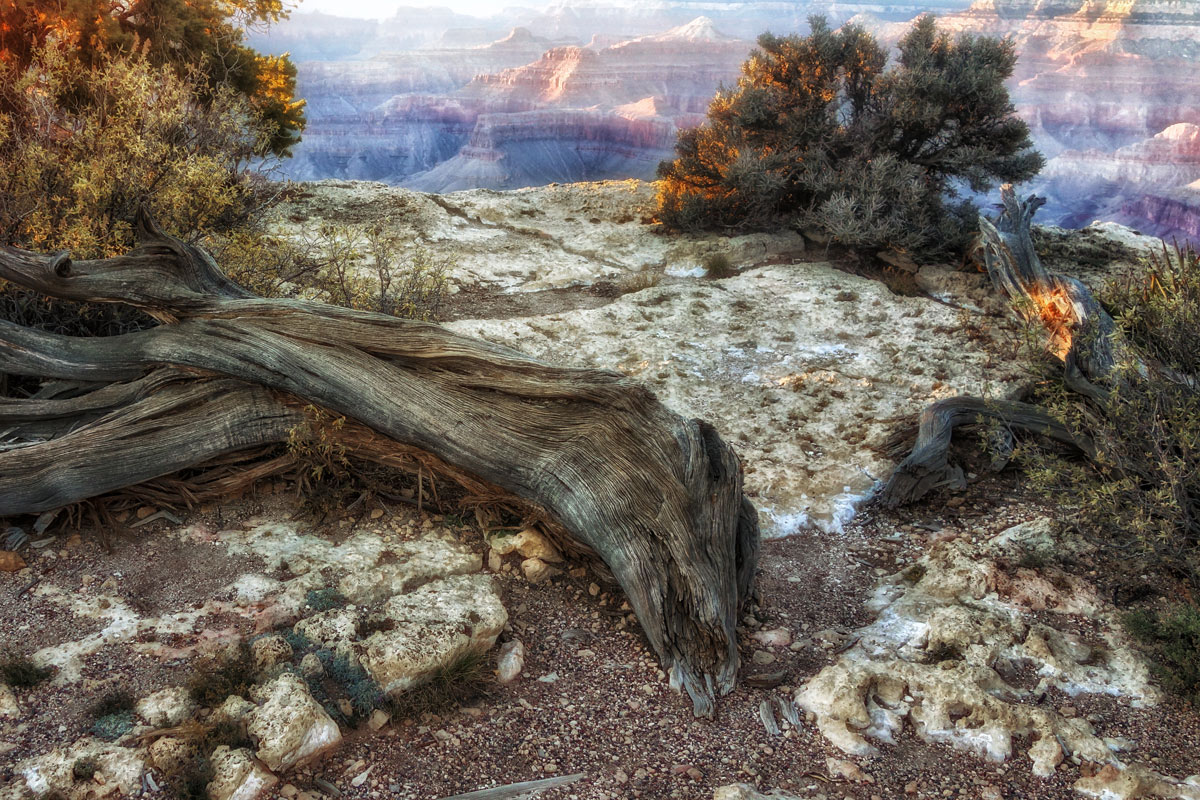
(762, 657)
(377, 513)
(145, 511)
(511, 661)
(621, 776)
(778, 637)
(536, 570)
(378, 719)
(11, 561)
(694, 773)
(1067, 711)
(360, 778)
(288, 790)
(495, 563)
(911, 787)
(841, 768)
(585, 653)
(593, 589)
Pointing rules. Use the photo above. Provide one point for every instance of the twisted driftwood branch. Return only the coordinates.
(1081, 334)
(657, 497)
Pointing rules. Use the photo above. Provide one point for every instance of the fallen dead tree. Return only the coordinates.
(1079, 334)
(590, 455)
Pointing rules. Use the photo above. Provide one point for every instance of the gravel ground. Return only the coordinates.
(592, 698)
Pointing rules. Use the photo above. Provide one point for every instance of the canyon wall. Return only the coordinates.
(1111, 91)
(521, 111)
(588, 90)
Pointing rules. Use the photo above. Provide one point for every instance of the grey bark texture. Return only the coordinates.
(657, 497)
(1081, 335)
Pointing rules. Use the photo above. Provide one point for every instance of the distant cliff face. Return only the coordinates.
(1111, 90)
(580, 91)
(521, 111)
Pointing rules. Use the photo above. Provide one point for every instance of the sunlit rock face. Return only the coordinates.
(585, 90)
(1111, 91)
(521, 111)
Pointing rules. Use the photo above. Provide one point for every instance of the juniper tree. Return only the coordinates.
(194, 38)
(820, 132)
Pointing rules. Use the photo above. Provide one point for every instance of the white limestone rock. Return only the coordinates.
(935, 657)
(433, 627)
(171, 754)
(408, 566)
(234, 709)
(238, 775)
(9, 707)
(1133, 782)
(289, 725)
(332, 628)
(167, 707)
(118, 770)
(269, 652)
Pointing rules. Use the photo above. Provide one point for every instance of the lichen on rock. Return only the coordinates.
(943, 635)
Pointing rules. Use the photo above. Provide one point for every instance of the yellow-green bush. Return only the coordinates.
(83, 148)
(362, 267)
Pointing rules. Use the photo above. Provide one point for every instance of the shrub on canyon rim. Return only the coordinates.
(821, 134)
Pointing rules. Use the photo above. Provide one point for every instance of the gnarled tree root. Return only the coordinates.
(1080, 333)
(657, 497)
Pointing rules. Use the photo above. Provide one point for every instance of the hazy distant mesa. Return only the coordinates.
(440, 101)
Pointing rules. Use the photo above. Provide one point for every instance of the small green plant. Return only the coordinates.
(232, 672)
(113, 716)
(346, 679)
(299, 643)
(1139, 496)
(461, 681)
(1173, 642)
(19, 672)
(84, 769)
(325, 599)
(637, 281)
(717, 265)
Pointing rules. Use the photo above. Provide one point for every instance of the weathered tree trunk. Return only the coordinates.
(592, 453)
(1080, 334)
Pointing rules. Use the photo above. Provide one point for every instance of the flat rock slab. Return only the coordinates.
(432, 628)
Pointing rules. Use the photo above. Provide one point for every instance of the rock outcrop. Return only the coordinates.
(955, 649)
